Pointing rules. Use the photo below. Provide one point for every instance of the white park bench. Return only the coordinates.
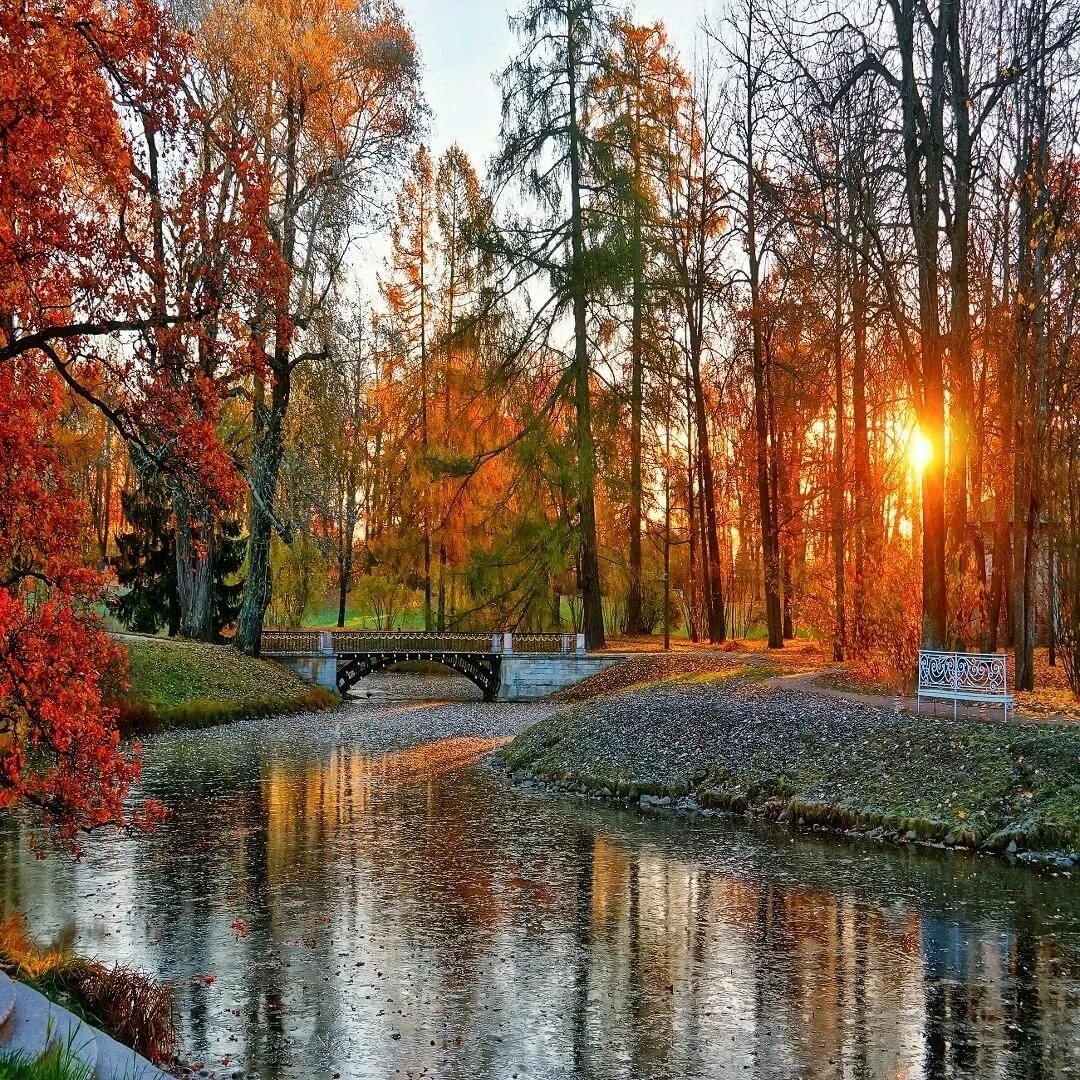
(955, 677)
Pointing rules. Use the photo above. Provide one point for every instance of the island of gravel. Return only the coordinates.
(705, 734)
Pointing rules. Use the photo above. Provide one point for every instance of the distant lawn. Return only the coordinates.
(176, 683)
(356, 618)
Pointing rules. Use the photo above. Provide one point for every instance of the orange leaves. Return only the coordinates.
(347, 68)
(61, 747)
(60, 132)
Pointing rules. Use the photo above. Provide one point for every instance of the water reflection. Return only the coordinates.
(409, 915)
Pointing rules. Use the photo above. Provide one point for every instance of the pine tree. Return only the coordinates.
(146, 566)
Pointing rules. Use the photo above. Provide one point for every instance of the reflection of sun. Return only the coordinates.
(920, 451)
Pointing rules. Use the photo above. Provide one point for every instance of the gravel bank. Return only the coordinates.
(376, 725)
(725, 742)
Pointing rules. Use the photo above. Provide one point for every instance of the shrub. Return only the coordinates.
(126, 1003)
(131, 1006)
(142, 718)
(967, 604)
(1070, 655)
(1069, 612)
(888, 647)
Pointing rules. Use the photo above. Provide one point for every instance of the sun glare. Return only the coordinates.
(920, 451)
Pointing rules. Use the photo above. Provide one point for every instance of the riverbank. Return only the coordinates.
(718, 740)
(191, 684)
(361, 870)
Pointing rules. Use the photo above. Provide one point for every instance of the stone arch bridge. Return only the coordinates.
(505, 666)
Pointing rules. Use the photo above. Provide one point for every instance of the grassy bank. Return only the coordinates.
(123, 1002)
(723, 741)
(191, 684)
(54, 1065)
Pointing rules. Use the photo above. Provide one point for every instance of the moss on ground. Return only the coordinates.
(811, 760)
(177, 683)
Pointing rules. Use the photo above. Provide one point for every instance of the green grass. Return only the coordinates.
(54, 1065)
(177, 683)
(356, 618)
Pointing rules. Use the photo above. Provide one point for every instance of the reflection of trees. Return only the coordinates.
(585, 939)
(583, 917)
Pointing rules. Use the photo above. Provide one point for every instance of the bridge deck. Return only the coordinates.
(353, 642)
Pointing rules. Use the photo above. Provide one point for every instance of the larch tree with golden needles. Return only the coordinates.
(639, 88)
(407, 290)
(548, 156)
(327, 91)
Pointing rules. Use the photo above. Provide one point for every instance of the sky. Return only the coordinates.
(462, 44)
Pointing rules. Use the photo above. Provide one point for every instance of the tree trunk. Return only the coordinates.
(591, 597)
(861, 444)
(269, 423)
(712, 579)
(637, 301)
(924, 154)
(838, 485)
(770, 547)
(961, 398)
(667, 523)
(691, 518)
(265, 467)
(194, 570)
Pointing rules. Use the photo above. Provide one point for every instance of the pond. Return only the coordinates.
(408, 913)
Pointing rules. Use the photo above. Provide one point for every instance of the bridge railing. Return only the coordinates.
(358, 641)
(292, 641)
(545, 643)
(278, 642)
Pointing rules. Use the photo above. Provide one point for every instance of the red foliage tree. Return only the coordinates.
(59, 746)
(71, 203)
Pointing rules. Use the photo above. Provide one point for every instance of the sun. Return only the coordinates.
(920, 451)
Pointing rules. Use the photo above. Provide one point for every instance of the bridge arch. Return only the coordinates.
(480, 669)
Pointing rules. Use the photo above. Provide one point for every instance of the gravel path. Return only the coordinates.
(377, 724)
(817, 683)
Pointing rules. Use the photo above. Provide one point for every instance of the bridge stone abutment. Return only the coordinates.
(319, 669)
(527, 676)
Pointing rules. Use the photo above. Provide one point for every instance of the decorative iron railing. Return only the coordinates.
(291, 641)
(983, 673)
(362, 641)
(953, 676)
(544, 643)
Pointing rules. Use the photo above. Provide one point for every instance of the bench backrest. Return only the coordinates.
(961, 673)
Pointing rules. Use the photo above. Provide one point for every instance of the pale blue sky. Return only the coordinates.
(463, 44)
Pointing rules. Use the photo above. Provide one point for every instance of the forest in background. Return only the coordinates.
(777, 339)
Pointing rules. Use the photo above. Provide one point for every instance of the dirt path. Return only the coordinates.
(810, 682)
